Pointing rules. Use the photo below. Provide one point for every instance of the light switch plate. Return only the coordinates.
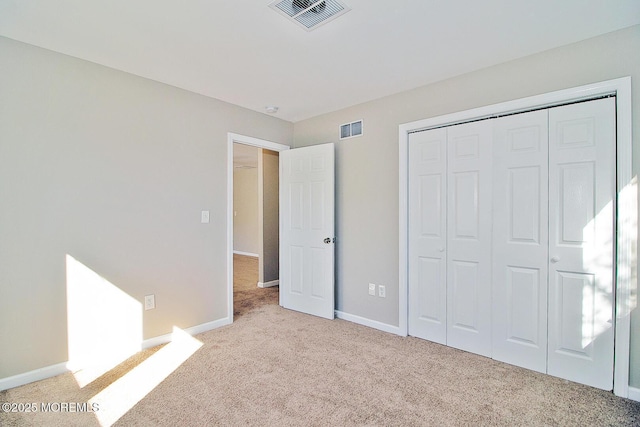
(372, 289)
(204, 217)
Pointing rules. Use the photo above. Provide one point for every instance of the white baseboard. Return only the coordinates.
(368, 322)
(62, 368)
(246, 254)
(268, 284)
(634, 394)
(31, 376)
(194, 330)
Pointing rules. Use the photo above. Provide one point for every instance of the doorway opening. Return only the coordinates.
(255, 228)
(252, 223)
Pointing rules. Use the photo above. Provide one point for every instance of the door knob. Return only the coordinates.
(555, 259)
(327, 240)
(440, 249)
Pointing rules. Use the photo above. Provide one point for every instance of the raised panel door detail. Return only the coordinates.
(298, 166)
(430, 205)
(431, 151)
(464, 285)
(524, 204)
(523, 286)
(466, 208)
(524, 139)
(317, 212)
(318, 270)
(467, 147)
(429, 307)
(296, 266)
(577, 201)
(317, 164)
(576, 311)
(576, 133)
(296, 205)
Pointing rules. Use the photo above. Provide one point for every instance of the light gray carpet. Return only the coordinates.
(277, 367)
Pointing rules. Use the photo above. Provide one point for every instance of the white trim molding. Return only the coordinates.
(63, 368)
(32, 376)
(270, 284)
(369, 323)
(255, 142)
(194, 330)
(634, 394)
(627, 231)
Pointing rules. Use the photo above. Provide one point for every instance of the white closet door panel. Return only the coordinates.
(582, 143)
(520, 240)
(469, 237)
(427, 235)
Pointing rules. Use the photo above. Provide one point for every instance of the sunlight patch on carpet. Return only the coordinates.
(117, 399)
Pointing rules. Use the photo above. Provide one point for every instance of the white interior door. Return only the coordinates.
(582, 144)
(307, 230)
(469, 237)
(520, 239)
(428, 235)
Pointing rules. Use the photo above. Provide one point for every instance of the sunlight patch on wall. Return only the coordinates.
(599, 243)
(597, 296)
(627, 269)
(104, 323)
(118, 398)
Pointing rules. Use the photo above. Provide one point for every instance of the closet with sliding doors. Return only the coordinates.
(511, 238)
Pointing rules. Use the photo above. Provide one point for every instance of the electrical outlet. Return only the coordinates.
(149, 302)
(372, 289)
(382, 291)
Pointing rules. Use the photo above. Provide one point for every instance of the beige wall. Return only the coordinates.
(245, 207)
(367, 167)
(113, 170)
(268, 217)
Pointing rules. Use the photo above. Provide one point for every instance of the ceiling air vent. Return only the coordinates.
(309, 14)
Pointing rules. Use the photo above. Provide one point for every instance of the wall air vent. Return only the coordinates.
(309, 14)
(351, 130)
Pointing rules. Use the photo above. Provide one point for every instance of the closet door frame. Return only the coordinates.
(626, 199)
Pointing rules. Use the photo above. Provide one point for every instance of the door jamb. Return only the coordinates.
(626, 190)
(255, 142)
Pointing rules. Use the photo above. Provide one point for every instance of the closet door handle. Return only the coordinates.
(555, 259)
(440, 249)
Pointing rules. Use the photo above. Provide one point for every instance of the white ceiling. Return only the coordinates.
(243, 52)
